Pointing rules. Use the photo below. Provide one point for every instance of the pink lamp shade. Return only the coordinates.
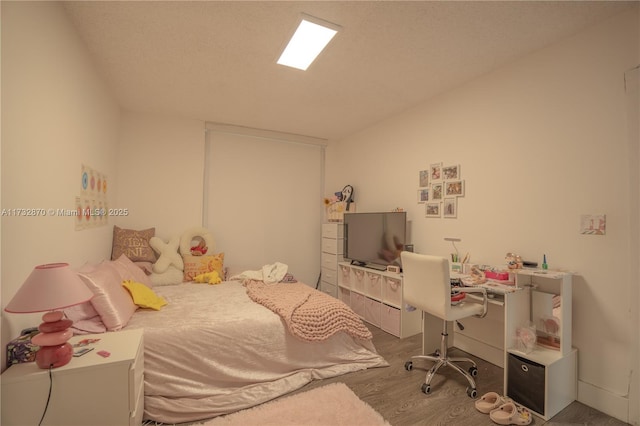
(48, 288)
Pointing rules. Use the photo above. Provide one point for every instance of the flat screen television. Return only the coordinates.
(375, 240)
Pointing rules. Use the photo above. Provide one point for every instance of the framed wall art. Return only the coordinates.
(435, 171)
(423, 178)
(423, 195)
(454, 188)
(450, 207)
(451, 172)
(437, 191)
(432, 209)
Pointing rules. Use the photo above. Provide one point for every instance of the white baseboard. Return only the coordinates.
(602, 400)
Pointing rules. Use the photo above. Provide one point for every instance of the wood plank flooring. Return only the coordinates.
(395, 393)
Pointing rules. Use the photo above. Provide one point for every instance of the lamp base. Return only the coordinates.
(54, 350)
(54, 356)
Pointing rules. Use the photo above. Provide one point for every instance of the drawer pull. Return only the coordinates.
(524, 368)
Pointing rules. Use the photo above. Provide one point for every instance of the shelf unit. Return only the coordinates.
(545, 379)
(332, 248)
(377, 297)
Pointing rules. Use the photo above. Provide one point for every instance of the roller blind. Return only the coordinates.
(263, 202)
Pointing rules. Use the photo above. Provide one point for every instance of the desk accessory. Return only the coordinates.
(48, 288)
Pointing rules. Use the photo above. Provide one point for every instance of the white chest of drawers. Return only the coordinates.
(332, 252)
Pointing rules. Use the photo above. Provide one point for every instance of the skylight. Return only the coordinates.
(311, 37)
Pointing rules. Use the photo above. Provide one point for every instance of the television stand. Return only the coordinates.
(358, 263)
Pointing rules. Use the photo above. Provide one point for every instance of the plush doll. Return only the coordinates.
(199, 249)
(208, 277)
(205, 244)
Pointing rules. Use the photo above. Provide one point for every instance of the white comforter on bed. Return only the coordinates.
(213, 351)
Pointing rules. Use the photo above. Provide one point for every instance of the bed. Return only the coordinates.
(212, 350)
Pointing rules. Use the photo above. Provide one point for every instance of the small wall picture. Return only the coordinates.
(593, 224)
(432, 209)
(424, 178)
(423, 195)
(450, 207)
(435, 171)
(437, 191)
(451, 172)
(454, 188)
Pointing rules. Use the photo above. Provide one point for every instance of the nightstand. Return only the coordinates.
(90, 390)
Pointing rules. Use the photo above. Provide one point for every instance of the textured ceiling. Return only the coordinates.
(216, 60)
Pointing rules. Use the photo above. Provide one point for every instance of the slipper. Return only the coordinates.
(510, 414)
(490, 401)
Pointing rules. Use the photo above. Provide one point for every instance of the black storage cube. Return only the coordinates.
(525, 383)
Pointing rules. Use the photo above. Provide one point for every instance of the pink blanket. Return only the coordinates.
(308, 313)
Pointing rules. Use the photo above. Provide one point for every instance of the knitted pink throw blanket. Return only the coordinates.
(308, 313)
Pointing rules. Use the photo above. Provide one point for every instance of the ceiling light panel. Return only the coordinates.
(309, 39)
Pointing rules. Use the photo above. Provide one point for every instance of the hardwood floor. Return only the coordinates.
(395, 393)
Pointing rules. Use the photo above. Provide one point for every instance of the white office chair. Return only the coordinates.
(427, 286)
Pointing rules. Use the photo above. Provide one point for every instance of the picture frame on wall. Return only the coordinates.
(454, 188)
(432, 209)
(450, 207)
(451, 172)
(423, 179)
(423, 195)
(437, 191)
(435, 172)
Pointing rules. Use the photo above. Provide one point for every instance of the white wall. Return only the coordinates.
(540, 142)
(160, 173)
(56, 115)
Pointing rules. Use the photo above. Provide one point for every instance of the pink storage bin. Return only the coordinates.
(501, 276)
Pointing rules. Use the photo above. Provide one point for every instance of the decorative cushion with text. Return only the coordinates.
(133, 244)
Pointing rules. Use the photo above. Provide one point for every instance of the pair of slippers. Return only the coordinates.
(502, 410)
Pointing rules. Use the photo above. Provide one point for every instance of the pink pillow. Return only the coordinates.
(81, 312)
(130, 271)
(91, 325)
(110, 300)
(85, 313)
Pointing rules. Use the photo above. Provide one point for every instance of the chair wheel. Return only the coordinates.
(408, 365)
(426, 388)
(472, 393)
(473, 371)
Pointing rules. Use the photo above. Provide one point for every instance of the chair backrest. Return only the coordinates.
(426, 283)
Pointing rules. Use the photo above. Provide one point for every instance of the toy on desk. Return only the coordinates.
(514, 261)
(477, 276)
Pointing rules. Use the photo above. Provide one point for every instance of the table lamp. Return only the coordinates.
(49, 288)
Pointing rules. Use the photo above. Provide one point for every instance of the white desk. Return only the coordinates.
(492, 338)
